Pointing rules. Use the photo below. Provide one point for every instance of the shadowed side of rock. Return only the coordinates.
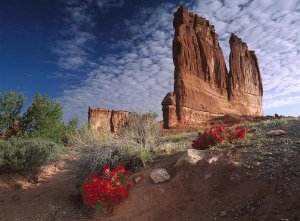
(246, 88)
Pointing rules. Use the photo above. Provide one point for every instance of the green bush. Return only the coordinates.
(43, 119)
(11, 104)
(22, 154)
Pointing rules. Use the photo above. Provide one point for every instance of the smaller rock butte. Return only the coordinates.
(104, 120)
(203, 88)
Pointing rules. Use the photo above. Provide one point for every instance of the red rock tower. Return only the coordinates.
(203, 88)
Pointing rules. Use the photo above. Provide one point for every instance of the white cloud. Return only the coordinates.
(72, 50)
(138, 76)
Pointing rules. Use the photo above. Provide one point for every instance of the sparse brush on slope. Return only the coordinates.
(23, 154)
(93, 159)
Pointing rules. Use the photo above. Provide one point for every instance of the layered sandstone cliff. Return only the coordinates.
(104, 120)
(203, 88)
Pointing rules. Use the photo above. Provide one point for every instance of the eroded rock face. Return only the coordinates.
(245, 84)
(203, 88)
(106, 121)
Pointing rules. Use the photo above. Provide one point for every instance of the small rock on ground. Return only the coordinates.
(223, 213)
(159, 175)
(138, 179)
(273, 133)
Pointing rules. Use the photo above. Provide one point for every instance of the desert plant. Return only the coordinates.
(72, 125)
(182, 137)
(218, 134)
(141, 134)
(43, 119)
(107, 189)
(85, 137)
(22, 154)
(141, 129)
(93, 159)
(261, 140)
(11, 104)
(176, 142)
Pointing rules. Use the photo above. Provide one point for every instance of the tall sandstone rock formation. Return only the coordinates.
(203, 88)
(103, 120)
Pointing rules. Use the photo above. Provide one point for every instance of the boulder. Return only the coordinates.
(192, 156)
(274, 133)
(159, 175)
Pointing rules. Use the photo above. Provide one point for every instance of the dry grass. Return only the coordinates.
(84, 137)
(141, 130)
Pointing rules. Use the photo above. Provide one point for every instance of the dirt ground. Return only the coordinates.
(241, 183)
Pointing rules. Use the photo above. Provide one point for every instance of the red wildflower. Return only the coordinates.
(108, 189)
(218, 134)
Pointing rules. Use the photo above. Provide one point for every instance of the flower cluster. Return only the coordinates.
(106, 190)
(218, 134)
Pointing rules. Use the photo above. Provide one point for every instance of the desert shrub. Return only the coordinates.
(85, 137)
(218, 134)
(93, 159)
(23, 154)
(43, 119)
(11, 104)
(141, 130)
(107, 189)
(141, 135)
(72, 125)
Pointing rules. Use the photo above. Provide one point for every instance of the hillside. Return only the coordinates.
(258, 180)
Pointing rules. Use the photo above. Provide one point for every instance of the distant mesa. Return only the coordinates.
(203, 88)
(105, 121)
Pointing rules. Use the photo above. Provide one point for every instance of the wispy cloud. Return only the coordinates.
(73, 49)
(110, 3)
(138, 76)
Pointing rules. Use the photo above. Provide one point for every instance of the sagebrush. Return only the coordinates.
(141, 135)
(22, 154)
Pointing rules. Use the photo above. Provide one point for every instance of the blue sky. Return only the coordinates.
(117, 53)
